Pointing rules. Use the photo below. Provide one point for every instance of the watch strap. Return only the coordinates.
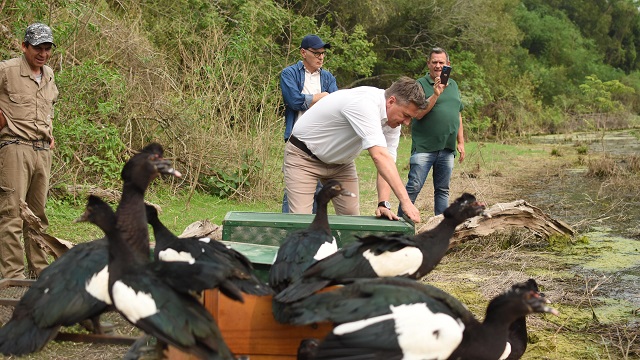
(385, 204)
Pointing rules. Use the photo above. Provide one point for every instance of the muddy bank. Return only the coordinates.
(593, 278)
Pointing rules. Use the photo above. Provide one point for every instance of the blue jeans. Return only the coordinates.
(420, 164)
(285, 200)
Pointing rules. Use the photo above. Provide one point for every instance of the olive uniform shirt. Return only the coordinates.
(27, 105)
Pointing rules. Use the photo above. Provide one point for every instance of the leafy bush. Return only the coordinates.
(226, 183)
(89, 148)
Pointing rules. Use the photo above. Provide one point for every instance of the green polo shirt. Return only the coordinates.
(438, 129)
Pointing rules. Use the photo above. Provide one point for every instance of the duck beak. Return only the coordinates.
(347, 193)
(164, 167)
(482, 209)
(538, 303)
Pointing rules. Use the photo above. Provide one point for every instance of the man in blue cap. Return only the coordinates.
(303, 84)
(27, 94)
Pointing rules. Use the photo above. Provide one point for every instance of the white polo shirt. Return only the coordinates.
(342, 124)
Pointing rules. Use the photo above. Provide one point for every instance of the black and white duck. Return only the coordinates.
(385, 256)
(399, 318)
(171, 248)
(154, 296)
(304, 247)
(518, 336)
(73, 288)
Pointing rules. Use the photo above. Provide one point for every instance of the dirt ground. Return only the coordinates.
(482, 268)
(478, 270)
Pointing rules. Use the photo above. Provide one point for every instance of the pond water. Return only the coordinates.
(619, 142)
(586, 200)
(608, 219)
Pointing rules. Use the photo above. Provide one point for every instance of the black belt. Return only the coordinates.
(36, 144)
(300, 145)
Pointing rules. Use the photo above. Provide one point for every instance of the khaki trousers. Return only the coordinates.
(301, 174)
(24, 175)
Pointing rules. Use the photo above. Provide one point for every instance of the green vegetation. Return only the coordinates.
(202, 77)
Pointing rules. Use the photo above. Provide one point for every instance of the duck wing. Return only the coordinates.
(299, 251)
(68, 291)
(178, 319)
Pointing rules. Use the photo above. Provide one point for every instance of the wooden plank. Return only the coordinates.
(250, 330)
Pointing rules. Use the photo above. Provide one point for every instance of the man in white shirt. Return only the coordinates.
(328, 137)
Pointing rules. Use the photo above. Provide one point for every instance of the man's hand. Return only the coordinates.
(318, 96)
(438, 88)
(461, 152)
(411, 211)
(383, 211)
(3, 120)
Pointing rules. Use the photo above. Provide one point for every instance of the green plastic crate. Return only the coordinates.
(265, 231)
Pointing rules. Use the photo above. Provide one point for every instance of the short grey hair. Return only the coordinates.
(438, 50)
(407, 90)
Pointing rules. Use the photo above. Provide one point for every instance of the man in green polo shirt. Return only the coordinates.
(436, 134)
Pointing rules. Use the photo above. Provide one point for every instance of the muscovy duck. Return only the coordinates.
(137, 174)
(206, 250)
(518, 337)
(400, 318)
(302, 248)
(74, 287)
(150, 295)
(385, 256)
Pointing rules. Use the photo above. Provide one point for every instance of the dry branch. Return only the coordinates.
(516, 214)
(51, 244)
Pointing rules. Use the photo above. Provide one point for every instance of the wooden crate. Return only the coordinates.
(251, 331)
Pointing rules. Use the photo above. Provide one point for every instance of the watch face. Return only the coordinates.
(385, 204)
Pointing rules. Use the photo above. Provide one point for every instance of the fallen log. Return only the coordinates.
(203, 228)
(515, 214)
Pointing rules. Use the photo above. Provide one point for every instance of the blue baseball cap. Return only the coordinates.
(313, 42)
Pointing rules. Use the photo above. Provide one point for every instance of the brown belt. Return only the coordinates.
(300, 145)
(36, 144)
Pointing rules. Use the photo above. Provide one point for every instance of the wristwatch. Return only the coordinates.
(385, 204)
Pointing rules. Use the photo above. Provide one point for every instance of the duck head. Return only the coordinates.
(465, 207)
(97, 212)
(147, 165)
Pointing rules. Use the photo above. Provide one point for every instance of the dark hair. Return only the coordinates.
(407, 90)
(438, 50)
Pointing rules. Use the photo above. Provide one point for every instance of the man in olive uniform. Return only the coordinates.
(27, 94)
